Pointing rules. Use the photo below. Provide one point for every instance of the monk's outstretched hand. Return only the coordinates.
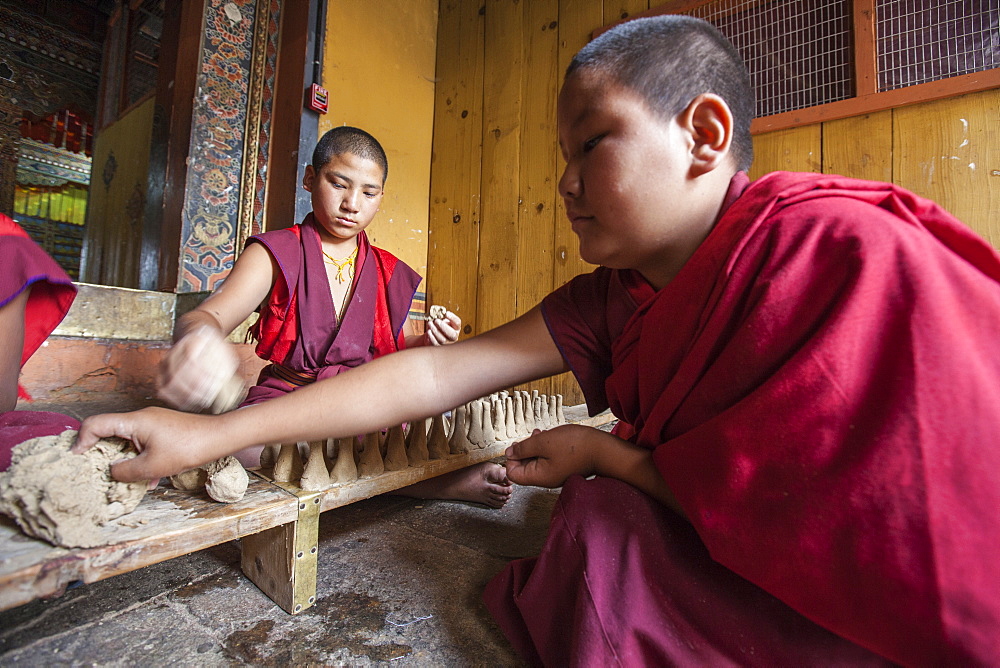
(168, 442)
(548, 458)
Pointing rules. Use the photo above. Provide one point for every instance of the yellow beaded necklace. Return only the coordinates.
(342, 264)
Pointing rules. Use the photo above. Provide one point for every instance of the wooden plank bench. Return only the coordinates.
(278, 525)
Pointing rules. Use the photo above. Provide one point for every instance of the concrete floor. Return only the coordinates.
(399, 583)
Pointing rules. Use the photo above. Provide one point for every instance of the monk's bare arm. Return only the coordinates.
(633, 464)
(393, 389)
(408, 385)
(247, 285)
(12, 335)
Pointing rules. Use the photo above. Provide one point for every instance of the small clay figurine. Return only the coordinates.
(315, 475)
(344, 469)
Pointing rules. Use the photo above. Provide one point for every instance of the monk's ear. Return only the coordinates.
(308, 177)
(709, 121)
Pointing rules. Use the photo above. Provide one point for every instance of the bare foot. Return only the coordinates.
(484, 483)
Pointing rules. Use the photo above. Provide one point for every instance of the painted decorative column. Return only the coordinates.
(228, 149)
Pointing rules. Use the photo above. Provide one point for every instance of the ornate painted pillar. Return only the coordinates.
(212, 128)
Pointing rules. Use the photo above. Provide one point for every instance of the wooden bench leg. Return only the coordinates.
(282, 561)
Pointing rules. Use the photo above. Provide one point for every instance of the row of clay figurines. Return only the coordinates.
(503, 416)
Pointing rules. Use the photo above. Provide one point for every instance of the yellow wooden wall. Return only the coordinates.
(498, 238)
(947, 151)
(378, 65)
(117, 198)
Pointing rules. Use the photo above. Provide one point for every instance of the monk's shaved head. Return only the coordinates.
(345, 139)
(669, 60)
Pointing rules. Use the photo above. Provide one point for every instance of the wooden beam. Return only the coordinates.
(891, 99)
(170, 523)
(576, 20)
(282, 561)
(285, 154)
(456, 163)
(865, 48)
(502, 104)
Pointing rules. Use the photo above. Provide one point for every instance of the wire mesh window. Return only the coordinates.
(798, 53)
(802, 54)
(927, 40)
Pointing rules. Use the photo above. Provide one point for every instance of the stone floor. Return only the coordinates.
(399, 583)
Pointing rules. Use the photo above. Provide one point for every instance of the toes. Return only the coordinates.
(496, 474)
(500, 490)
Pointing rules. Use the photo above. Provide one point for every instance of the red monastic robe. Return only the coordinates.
(25, 266)
(298, 327)
(820, 388)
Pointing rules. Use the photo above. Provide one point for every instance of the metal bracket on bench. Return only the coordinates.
(282, 561)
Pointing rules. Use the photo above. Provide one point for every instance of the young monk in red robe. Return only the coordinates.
(35, 295)
(328, 300)
(806, 470)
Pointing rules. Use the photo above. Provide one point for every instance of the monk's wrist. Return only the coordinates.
(605, 452)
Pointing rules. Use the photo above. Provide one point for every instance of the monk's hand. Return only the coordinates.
(548, 458)
(196, 369)
(442, 331)
(168, 442)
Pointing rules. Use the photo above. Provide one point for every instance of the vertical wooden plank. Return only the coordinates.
(285, 154)
(865, 48)
(796, 150)
(498, 229)
(177, 99)
(859, 147)
(577, 19)
(456, 161)
(282, 561)
(949, 151)
(539, 149)
(619, 10)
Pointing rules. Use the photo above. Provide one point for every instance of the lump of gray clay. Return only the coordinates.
(65, 498)
(189, 480)
(227, 479)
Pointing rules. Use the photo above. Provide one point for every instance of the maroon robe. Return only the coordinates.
(313, 345)
(819, 386)
(23, 266)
